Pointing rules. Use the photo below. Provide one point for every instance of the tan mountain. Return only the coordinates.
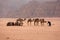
(37, 9)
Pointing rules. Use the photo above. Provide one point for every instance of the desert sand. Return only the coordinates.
(30, 32)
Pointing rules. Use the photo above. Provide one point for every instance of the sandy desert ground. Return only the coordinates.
(32, 32)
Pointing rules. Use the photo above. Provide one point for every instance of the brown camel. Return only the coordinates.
(42, 21)
(10, 24)
(36, 21)
(19, 22)
(30, 21)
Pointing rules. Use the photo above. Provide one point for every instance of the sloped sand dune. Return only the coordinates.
(32, 32)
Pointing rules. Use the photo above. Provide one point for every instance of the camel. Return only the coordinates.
(29, 21)
(36, 21)
(49, 23)
(18, 23)
(42, 21)
(10, 24)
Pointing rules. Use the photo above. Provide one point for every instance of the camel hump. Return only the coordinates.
(20, 19)
(29, 20)
(36, 20)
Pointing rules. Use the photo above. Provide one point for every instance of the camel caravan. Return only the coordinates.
(36, 21)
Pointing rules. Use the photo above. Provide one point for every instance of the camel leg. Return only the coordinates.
(37, 23)
(42, 24)
(28, 23)
(34, 23)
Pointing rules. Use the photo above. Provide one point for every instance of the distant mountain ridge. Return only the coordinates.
(36, 9)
